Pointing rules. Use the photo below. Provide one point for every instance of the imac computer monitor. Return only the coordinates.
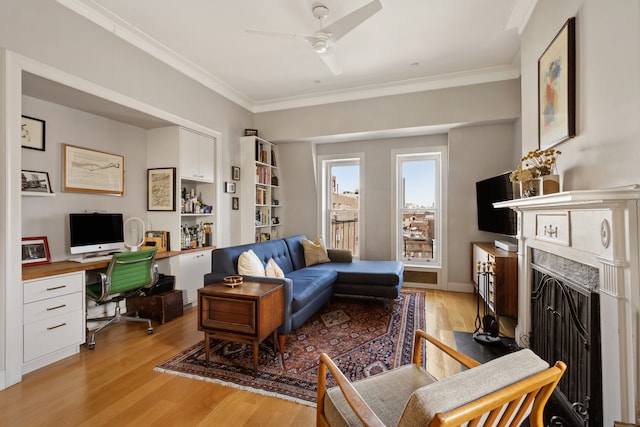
(96, 232)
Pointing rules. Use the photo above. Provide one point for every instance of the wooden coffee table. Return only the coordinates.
(246, 313)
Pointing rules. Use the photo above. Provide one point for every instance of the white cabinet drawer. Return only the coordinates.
(52, 307)
(49, 335)
(36, 290)
(553, 228)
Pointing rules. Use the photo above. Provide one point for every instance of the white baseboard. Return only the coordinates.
(452, 286)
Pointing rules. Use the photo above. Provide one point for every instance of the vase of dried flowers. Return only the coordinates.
(536, 174)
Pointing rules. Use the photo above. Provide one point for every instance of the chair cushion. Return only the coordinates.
(386, 393)
(467, 386)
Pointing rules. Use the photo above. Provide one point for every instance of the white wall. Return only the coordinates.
(605, 152)
(298, 181)
(475, 153)
(48, 216)
(466, 104)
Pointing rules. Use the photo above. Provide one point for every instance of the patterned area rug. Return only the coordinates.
(360, 335)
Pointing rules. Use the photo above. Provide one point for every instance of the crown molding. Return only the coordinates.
(443, 81)
(96, 14)
(119, 27)
(520, 14)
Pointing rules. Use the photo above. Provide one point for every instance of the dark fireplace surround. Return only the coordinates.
(565, 325)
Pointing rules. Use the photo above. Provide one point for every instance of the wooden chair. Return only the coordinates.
(502, 392)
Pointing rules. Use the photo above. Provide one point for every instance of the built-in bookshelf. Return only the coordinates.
(260, 192)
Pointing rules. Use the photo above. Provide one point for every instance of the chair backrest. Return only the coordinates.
(129, 271)
(502, 392)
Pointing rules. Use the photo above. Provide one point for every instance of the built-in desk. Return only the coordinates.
(64, 267)
(54, 308)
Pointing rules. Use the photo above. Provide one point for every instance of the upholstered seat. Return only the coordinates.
(502, 392)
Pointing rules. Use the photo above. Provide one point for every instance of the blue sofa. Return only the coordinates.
(307, 289)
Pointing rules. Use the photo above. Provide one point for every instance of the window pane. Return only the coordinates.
(418, 209)
(344, 206)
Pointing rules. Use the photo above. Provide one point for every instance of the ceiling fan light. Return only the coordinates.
(320, 46)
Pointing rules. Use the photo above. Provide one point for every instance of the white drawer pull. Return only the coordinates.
(55, 308)
(57, 326)
(56, 287)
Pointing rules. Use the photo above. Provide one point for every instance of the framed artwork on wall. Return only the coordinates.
(92, 171)
(235, 203)
(161, 189)
(32, 132)
(35, 183)
(229, 187)
(557, 89)
(235, 173)
(35, 251)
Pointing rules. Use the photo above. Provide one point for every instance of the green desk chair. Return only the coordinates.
(127, 275)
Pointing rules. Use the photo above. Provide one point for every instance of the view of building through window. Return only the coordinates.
(418, 210)
(344, 209)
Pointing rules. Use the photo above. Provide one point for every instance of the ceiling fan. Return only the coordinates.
(322, 40)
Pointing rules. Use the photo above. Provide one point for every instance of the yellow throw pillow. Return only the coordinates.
(314, 252)
(249, 264)
(273, 269)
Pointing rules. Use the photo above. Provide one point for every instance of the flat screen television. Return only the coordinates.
(488, 191)
(96, 232)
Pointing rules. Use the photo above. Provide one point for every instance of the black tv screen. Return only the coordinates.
(488, 191)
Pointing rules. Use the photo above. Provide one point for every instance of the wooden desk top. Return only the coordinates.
(64, 267)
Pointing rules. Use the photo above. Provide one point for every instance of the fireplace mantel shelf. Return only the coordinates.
(574, 198)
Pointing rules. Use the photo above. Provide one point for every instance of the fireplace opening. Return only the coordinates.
(565, 325)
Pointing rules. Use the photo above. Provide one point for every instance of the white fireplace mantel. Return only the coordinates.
(599, 228)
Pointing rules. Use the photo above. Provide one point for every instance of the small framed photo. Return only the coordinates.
(32, 131)
(35, 251)
(229, 187)
(36, 183)
(235, 173)
(161, 189)
(235, 203)
(251, 132)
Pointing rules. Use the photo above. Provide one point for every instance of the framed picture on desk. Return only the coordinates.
(35, 251)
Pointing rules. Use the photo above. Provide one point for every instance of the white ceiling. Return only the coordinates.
(407, 46)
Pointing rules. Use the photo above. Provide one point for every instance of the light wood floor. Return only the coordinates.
(115, 384)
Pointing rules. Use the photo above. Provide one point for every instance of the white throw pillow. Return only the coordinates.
(249, 264)
(273, 269)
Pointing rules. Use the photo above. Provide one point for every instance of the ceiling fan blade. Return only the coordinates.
(292, 36)
(331, 62)
(348, 22)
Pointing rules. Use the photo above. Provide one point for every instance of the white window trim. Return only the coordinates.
(323, 194)
(441, 267)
